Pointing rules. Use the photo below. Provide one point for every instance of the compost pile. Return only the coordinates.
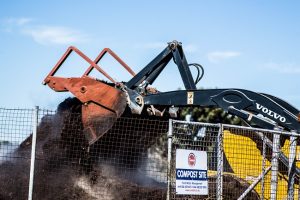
(128, 162)
(67, 169)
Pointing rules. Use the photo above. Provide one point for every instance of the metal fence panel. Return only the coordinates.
(261, 158)
(136, 158)
(127, 162)
(15, 127)
(252, 163)
(200, 137)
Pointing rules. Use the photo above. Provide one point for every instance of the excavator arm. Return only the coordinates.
(264, 110)
(101, 99)
(248, 105)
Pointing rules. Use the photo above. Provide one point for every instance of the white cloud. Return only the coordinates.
(43, 34)
(11, 24)
(283, 68)
(23, 21)
(218, 56)
(18, 21)
(47, 35)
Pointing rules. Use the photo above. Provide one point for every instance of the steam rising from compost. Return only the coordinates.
(66, 168)
(128, 162)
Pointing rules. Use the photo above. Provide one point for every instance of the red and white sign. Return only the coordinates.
(192, 160)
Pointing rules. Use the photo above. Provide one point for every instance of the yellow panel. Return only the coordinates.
(245, 159)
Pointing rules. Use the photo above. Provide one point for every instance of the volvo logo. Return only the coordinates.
(270, 113)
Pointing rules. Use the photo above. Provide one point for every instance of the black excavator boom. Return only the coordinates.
(101, 99)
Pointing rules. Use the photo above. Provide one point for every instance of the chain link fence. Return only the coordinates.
(142, 158)
(242, 162)
(127, 162)
(15, 127)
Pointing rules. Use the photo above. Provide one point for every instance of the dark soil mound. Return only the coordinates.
(115, 167)
(66, 168)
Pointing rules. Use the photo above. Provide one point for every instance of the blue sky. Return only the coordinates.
(241, 44)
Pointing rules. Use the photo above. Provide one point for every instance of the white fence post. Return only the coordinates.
(170, 134)
(262, 196)
(33, 147)
(220, 164)
(292, 165)
(275, 156)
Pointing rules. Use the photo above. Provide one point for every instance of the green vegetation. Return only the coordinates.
(4, 142)
(209, 115)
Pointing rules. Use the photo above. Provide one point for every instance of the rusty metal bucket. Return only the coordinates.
(102, 103)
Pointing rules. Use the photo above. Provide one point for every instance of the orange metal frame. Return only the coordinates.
(93, 64)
